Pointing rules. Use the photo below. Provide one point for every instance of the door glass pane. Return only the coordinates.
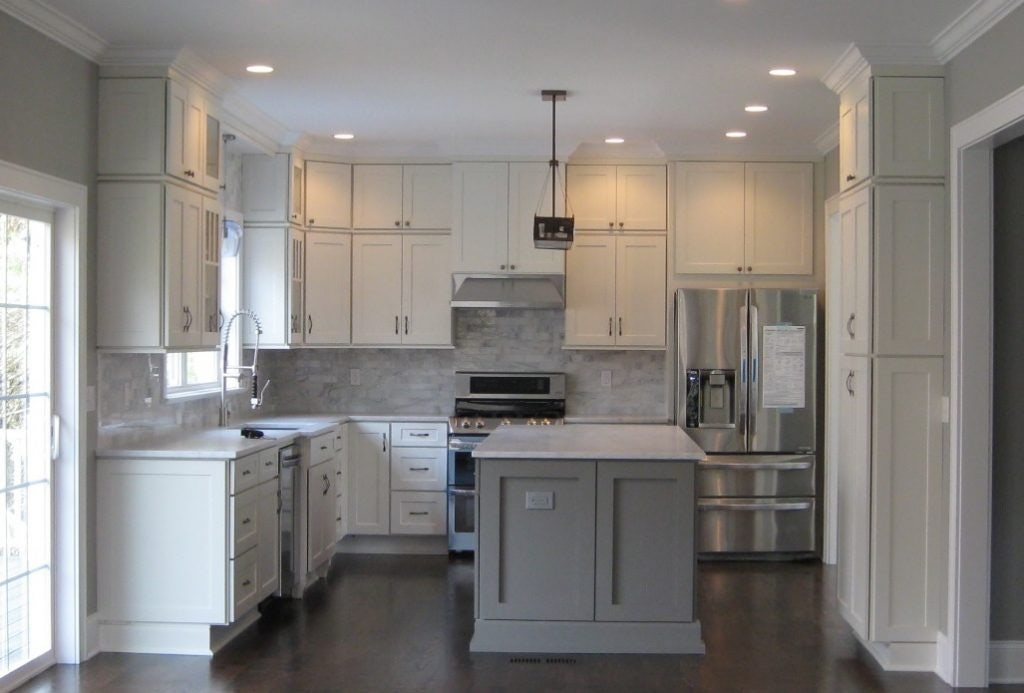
(26, 555)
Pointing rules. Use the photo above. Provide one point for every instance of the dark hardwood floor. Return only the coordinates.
(403, 623)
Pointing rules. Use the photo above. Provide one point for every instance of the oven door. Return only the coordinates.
(461, 519)
(461, 465)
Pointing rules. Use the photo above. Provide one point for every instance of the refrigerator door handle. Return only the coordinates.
(754, 386)
(742, 399)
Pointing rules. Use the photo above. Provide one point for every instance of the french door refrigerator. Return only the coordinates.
(745, 392)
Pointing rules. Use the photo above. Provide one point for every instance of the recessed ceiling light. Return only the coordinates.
(614, 140)
(782, 72)
(735, 134)
(260, 69)
(344, 136)
(755, 108)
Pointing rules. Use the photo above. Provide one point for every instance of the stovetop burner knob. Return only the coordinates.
(479, 423)
(465, 423)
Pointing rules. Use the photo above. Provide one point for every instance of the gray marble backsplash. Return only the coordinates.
(421, 381)
(391, 381)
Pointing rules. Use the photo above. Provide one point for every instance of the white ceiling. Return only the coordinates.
(451, 77)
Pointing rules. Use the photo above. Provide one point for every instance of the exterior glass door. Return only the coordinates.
(26, 513)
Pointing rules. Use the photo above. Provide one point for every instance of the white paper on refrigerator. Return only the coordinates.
(783, 367)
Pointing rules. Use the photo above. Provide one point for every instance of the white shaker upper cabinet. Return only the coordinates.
(909, 127)
(376, 289)
(481, 210)
(328, 195)
(620, 198)
(377, 196)
(709, 218)
(426, 287)
(855, 134)
(640, 291)
(592, 196)
(529, 187)
(779, 219)
(855, 272)
(427, 196)
(272, 188)
(590, 291)
(328, 288)
(397, 197)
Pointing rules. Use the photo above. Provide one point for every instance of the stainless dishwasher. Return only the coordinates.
(289, 458)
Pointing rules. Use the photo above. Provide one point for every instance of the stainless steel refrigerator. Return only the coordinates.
(745, 391)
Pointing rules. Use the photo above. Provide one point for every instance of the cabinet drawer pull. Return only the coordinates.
(407, 324)
(246, 583)
(396, 324)
(849, 326)
(247, 521)
(419, 469)
(323, 447)
(849, 384)
(246, 472)
(611, 321)
(850, 176)
(419, 435)
(384, 441)
(309, 324)
(268, 463)
(419, 512)
(620, 327)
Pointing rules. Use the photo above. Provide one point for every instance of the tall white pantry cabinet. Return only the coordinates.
(886, 364)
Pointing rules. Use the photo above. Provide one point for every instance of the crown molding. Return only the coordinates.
(130, 60)
(56, 26)
(845, 69)
(965, 29)
(246, 120)
(898, 54)
(828, 140)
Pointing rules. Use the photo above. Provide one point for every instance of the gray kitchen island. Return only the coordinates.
(585, 540)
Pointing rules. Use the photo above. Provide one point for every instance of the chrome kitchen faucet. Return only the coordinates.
(256, 395)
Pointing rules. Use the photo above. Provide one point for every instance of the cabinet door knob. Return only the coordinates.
(850, 176)
(739, 269)
(622, 224)
(611, 224)
(397, 223)
(750, 269)
(502, 266)
(408, 223)
(312, 221)
(511, 266)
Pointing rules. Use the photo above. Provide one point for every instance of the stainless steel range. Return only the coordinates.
(484, 401)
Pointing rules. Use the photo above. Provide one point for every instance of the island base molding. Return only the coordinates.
(171, 638)
(901, 656)
(586, 637)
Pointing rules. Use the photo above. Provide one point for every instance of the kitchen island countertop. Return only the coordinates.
(590, 442)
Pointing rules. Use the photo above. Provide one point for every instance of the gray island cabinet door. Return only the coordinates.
(645, 540)
(536, 564)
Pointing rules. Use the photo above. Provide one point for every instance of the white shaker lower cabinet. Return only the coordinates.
(341, 481)
(419, 478)
(185, 551)
(891, 579)
(320, 514)
(369, 473)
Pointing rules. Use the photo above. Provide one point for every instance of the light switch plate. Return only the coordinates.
(540, 500)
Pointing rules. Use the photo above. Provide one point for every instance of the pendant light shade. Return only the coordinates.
(553, 232)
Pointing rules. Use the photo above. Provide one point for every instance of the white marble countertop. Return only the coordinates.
(590, 442)
(228, 443)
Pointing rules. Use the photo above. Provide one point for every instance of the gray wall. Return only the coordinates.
(421, 381)
(987, 70)
(1007, 433)
(48, 124)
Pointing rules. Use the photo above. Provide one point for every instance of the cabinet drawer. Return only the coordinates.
(419, 469)
(267, 465)
(244, 474)
(244, 584)
(321, 449)
(419, 434)
(244, 530)
(418, 512)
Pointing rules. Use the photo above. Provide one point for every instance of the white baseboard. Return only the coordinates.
(1006, 661)
(902, 656)
(390, 544)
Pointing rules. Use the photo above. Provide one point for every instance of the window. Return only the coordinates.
(196, 372)
(26, 551)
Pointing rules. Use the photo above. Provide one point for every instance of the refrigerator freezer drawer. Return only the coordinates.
(755, 475)
(755, 525)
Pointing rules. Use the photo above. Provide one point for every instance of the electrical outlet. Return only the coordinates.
(606, 378)
(540, 500)
(354, 376)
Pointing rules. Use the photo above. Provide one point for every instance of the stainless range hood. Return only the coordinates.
(508, 291)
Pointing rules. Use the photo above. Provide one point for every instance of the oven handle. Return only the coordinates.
(462, 491)
(462, 445)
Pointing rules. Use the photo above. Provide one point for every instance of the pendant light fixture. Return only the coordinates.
(553, 232)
